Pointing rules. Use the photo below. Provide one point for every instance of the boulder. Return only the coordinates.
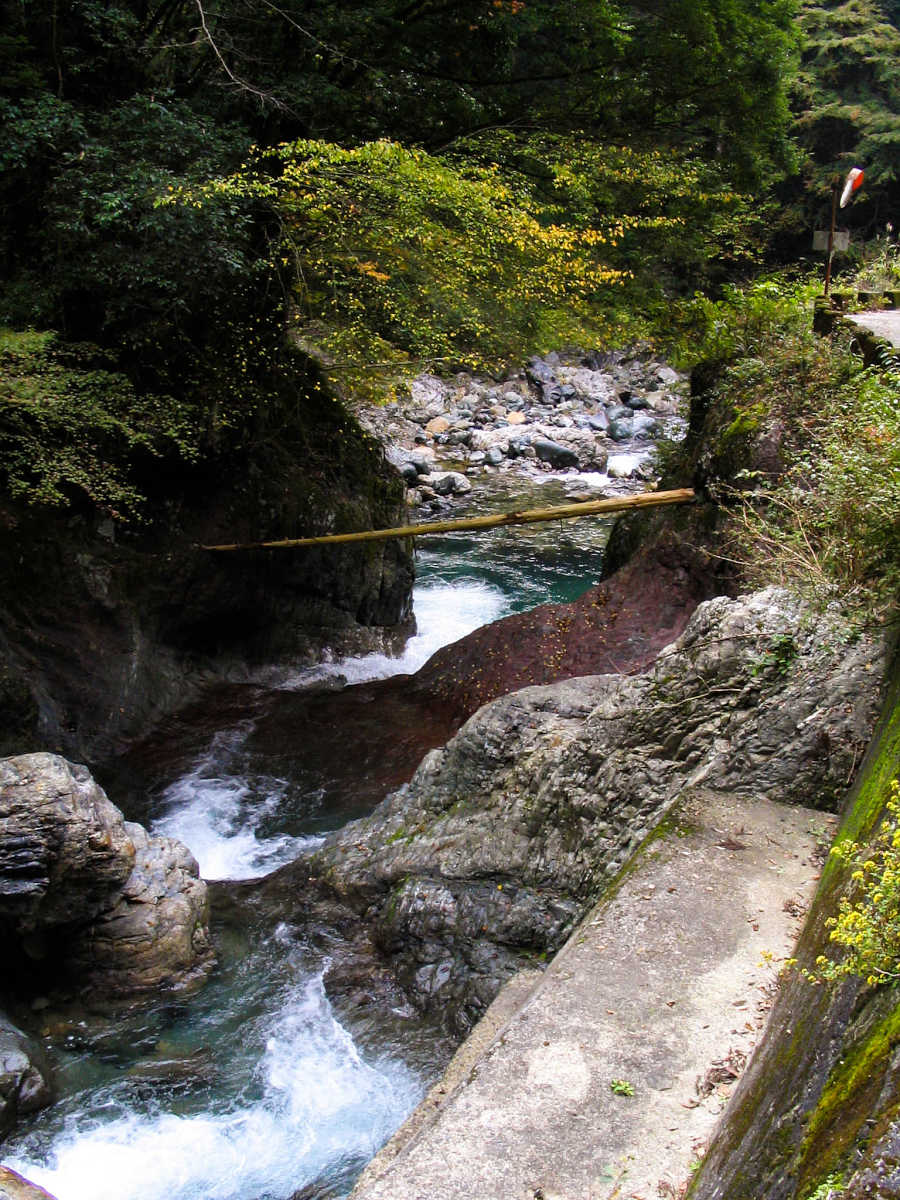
(14, 1186)
(620, 430)
(156, 933)
(65, 849)
(596, 386)
(449, 483)
(504, 837)
(553, 453)
(429, 392)
(644, 426)
(92, 898)
(24, 1076)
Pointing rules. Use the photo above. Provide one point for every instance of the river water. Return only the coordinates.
(264, 1086)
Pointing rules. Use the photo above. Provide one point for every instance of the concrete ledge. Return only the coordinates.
(877, 334)
(664, 987)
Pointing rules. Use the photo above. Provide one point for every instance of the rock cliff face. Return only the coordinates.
(103, 630)
(818, 1105)
(89, 903)
(505, 835)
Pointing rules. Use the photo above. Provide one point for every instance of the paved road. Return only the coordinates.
(885, 324)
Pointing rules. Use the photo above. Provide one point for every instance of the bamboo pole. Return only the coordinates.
(588, 508)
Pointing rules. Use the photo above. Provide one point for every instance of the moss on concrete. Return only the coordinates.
(819, 1085)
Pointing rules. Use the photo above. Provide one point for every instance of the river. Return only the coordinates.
(266, 1086)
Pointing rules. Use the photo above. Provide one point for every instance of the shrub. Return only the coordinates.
(826, 518)
(867, 924)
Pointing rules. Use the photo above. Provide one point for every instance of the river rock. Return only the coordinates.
(505, 835)
(644, 426)
(446, 483)
(621, 430)
(156, 933)
(553, 453)
(429, 392)
(93, 898)
(65, 848)
(14, 1186)
(24, 1076)
(597, 386)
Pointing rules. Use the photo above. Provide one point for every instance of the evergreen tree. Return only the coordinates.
(847, 99)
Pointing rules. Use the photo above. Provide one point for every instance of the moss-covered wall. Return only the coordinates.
(823, 1089)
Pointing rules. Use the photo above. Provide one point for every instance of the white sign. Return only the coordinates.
(841, 239)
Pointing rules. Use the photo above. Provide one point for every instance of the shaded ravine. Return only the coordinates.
(302, 1042)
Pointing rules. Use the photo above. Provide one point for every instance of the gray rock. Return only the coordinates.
(429, 393)
(156, 933)
(397, 457)
(667, 376)
(595, 386)
(449, 483)
(635, 401)
(540, 372)
(495, 456)
(64, 849)
(121, 912)
(24, 1076)
(598, 421)
(620, 430)
(553, 453)
(644, 426)
(422, 460)
(878, 1176)
(505, 835)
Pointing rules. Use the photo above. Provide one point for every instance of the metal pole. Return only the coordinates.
(834, 200)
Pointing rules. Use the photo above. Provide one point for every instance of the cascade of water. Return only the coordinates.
(309, 1105)
(293, 1095)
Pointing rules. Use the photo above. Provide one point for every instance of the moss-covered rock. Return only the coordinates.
(822, 1093)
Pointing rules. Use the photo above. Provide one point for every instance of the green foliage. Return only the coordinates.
(621, 1087)
(70, 428)
(847, 99)
(678, 220)
(399, 256)
(831, 1188)
(867, 924)
(713, 74)
(828, 520)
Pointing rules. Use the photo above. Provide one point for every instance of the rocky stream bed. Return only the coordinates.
(440, 830)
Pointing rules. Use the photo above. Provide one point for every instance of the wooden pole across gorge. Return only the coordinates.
(589, 508)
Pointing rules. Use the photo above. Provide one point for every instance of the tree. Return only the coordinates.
(847, 99)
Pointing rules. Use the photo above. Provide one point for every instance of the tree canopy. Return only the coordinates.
(462, 180)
